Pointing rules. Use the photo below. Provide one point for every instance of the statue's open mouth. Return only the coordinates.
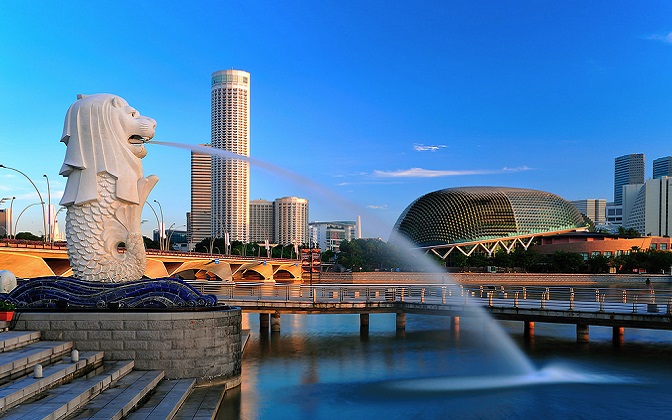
(136, 139)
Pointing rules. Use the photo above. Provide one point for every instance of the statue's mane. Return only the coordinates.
(96, 142)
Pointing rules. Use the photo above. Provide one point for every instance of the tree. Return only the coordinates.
(628, 233)
(566, 262)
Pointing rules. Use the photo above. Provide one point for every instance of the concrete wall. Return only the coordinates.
(188, 344)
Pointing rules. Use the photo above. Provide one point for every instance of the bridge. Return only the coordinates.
(617, 308)
(30, 260)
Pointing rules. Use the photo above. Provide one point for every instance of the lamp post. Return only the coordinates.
(157, 223)
(49, 208)
(162, 233)
(55, 221)
(44, 214)
(19, 217)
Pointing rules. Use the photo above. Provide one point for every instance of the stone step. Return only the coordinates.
(202, 403)
(28, 386)
(10, 340)
(65, 400)
(20, 361)
(124, 396)
(167, 399)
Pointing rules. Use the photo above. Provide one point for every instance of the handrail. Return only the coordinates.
(561, 298)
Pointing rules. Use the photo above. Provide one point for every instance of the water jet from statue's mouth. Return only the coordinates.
(136, 139)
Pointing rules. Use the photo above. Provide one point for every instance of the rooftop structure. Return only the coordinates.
(487, 217)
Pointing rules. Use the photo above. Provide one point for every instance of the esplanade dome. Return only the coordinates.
(468, 214)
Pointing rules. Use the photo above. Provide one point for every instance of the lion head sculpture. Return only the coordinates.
(103, 134)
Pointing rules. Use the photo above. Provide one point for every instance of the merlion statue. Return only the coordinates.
(106, 189)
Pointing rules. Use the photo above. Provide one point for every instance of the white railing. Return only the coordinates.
(587, 299)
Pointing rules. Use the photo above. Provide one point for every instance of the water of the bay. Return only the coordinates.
(324, 367)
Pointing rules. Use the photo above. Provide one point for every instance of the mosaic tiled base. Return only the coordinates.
(62, 292)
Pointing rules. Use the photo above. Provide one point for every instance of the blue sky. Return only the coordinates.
(377, 102)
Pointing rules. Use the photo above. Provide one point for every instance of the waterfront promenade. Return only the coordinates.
(611, 306)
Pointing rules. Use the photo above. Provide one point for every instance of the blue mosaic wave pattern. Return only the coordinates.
(60, 292)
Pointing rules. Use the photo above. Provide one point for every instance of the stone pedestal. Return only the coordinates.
(201, 344)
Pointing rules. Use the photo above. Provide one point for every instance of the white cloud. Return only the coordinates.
(431, 173)
(376, 207)
(423, 148)
(663, 38)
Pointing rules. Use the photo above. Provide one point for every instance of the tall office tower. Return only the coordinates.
(198, 219)
(291, 220)
(647, 207)
(594, 208)
(662, 167)
(261, 221)
(230, 130)
(628, 169)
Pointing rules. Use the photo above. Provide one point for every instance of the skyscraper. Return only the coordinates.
(198, 221)
(230, 130)
(261, 221)
(662, 167)
(628, 169)
(291, 220)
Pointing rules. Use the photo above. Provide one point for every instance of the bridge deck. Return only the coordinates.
(629, 308)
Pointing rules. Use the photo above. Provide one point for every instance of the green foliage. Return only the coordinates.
(628, 233)
(374, 254)
(566, 262)
(27, 236)
(6, 306)
(150, 244)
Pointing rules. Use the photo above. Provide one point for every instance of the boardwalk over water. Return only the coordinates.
(614, 307)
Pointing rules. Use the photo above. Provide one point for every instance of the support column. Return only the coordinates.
(275, 322)
(454, 322)
(582, 333)
(528, 331)
(401, 321)
(617, 335)
(364, 321)
(263, 321)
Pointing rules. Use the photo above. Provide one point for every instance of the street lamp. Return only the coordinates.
(44, 214)
(171, 230)
(26, 208)
(49, 207)
(157, 223)
(161, 231)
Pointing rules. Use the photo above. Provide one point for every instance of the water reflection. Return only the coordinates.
(324, 366)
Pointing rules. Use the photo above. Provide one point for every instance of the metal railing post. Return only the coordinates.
(571, 299)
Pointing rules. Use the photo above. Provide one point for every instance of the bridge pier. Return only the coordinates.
(617, 335)
(582, 333)
(263, 321)
(275, 322)
(363, 321)
(454, 322)
(401, 321)
(528, 331)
